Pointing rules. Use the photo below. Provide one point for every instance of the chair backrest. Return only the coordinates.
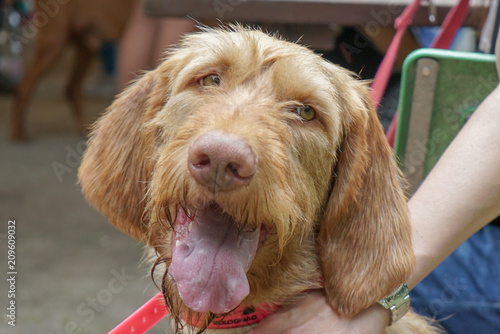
(440, 89)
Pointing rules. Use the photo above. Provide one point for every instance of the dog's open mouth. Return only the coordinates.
(210, 257)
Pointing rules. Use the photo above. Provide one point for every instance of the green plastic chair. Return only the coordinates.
(440, 89)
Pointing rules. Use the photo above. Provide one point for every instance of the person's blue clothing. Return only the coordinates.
(463, 292)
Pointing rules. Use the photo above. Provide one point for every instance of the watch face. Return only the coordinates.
(397, 302)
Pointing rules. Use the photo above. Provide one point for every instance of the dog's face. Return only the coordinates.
(256, 170)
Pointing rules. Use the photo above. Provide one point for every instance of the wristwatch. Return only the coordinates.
(398, 302)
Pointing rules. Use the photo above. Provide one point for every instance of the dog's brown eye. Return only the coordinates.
(210, 80)
(306, 112)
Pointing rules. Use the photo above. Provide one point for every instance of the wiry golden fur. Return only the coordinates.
(327, 190)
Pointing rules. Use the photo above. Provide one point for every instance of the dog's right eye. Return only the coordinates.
(210, 80)
(306, 112)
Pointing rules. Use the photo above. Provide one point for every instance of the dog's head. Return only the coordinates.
(256, 170)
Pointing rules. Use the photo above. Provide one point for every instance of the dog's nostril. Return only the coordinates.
(201, 160)
(233, 168)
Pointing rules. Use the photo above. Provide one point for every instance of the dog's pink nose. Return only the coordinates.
(221, 161)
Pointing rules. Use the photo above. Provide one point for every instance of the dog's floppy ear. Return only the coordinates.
(115, 168)
(365, 237)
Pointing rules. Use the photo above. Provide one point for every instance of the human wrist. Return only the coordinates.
(382, 315)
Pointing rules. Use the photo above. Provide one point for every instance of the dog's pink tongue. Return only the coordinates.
(210, 258)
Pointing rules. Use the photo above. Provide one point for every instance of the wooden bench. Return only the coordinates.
(317, 12)
(313, 21)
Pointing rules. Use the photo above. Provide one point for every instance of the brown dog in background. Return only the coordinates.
(82, 23)
(256, 171)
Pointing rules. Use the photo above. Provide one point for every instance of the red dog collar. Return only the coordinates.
(240, 317)
(154, 310)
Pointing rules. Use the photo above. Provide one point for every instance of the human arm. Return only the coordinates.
(462, 192)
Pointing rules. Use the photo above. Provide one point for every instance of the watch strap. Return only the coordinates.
(398, 302)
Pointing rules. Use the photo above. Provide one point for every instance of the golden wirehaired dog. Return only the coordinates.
(256, 171)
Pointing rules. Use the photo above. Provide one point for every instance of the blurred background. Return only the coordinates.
(75, 272)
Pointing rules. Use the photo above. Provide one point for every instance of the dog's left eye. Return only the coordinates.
(306, 112)
(210, 80)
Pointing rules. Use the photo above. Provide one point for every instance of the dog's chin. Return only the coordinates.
(211, 253)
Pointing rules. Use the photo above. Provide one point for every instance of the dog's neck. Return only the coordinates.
(240, 317)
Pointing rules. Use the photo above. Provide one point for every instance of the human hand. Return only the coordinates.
(313, 315)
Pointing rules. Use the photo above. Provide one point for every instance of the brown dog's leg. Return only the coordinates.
(82, 61)
(45, 57)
